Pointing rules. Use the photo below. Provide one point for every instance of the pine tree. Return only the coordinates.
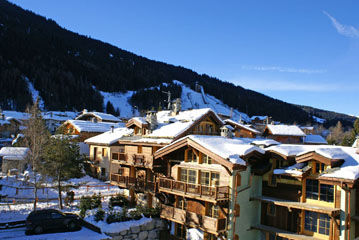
(62, 161)
(36, 137)
(110, 109)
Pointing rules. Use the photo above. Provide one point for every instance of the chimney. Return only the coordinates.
(226, 131)
(84, 111)
(176, 107)
(151, 118)
(112, 129)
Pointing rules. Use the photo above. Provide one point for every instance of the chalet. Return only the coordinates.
(206, 182)
(104, 147)
(314, 140)
(307, 129)
(9, 126)
(310, 192)
(133, 166)
(54, 119)
(87, 129)
(241, 130)
(97, 116)
(284, 133)
(13, 158)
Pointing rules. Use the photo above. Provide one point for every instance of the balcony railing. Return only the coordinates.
(208, 224)
(217, 193)
(138, 160)
(129, 182)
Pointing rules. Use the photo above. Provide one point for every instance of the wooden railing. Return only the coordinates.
(128, 182)
(215, 193)
(191, 219)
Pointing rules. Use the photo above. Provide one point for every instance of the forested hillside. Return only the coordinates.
(69, 70)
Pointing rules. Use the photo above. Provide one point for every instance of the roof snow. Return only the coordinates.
(14, 153)
(292, 170)
(262, 118)
(230, 121)
(228, 148)
(315, 139)
(291, 150)
(265, 142)
(88, 126)
(285, 130)
(109, 137)
(103, 116)
(172, 126)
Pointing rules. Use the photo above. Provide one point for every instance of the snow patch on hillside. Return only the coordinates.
(319, 120)
(35, 94)
(122, 102)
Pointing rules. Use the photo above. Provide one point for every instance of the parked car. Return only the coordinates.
(40, 221)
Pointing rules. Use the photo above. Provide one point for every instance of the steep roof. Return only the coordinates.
(315, 139)
(109, 137)
(14, 153)
(100, 115)
(240, 125)
(285, 130)
(230, 149)
(88, 126)
(173, 126)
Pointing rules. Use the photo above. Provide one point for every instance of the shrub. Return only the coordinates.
(99, 215)
(135, 215)
(150, 212)
(119, 200)
(87, 203)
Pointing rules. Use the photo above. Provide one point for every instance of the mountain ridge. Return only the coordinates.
(70, 71)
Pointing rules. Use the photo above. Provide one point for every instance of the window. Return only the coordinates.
(192, 175)
(115, 156)
(271, 209)
(310, 221)
(213, 210)
(324, 224)
(191, 156)
(312, 189)
(56, 215)
(189, 176)
(120, 171)
(214, 179)
(272, 180)
(206, 159)
(319, 167)
(205, 180)
(182, 203)
(326, 192)
(139, 149)
(104, 152)
(313, 220)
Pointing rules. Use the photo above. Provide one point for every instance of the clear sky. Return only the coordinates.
(304, 52)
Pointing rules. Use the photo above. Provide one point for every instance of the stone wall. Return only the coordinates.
(151, 231)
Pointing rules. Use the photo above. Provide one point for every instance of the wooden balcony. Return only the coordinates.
(197, 191)
(139, 185)
(194, 220)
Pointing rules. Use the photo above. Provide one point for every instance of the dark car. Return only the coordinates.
(51, 219)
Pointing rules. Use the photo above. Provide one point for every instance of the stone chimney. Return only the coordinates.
(112, 129)
(84, 111)
(176, 106)
(227, 131)
(151, 118)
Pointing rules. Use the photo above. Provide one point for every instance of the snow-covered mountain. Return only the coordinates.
(190, 100)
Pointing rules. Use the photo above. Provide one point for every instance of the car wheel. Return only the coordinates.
(72, 226)
(38, 230)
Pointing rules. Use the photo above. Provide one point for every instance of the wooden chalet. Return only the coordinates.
(97, 117)
(311, 192)
(284, 133)
(204, 183)
(241, 130)
(133, 166)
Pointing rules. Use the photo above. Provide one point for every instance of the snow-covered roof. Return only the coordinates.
(17, 115)
(240, 125)
(172, 126)
(109, 137)
(315, 139)
(228, 148)
(291, 150)
(14, 153)
(153, 140)
(292, 170)
(100, 115)
(88, 126)
(307, 128)
(58, 116)
(141, 120)
(285, 130)
(265, 142)
(262, 118)
(356, 143)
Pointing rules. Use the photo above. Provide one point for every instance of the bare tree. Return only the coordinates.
(36, 137)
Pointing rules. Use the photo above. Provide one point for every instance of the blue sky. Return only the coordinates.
(304, 52)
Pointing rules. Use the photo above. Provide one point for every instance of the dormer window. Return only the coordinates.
(319, 167)
(206, 159)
